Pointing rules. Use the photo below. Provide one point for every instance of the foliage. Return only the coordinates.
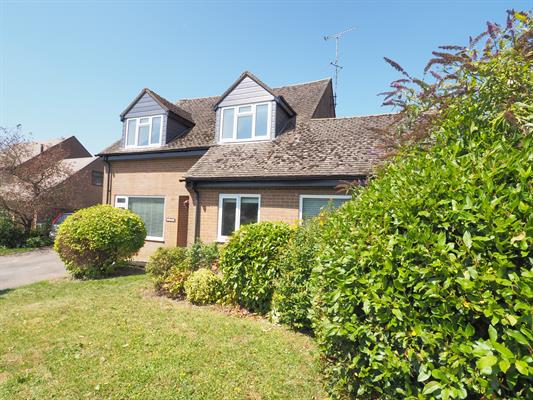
(160, 264)
(203, 255)
(10, 235)
(204, 287)
(174, 284)
(38, 241)
(94, 241)
(424, 280)
(249, 262)
(291, 302)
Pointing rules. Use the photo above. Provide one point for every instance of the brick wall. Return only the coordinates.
(152, 178)
(276, 205)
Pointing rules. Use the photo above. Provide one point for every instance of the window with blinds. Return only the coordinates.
(311, 206)
(150, 209)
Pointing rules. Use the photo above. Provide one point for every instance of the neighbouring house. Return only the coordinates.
(78, 175)
(200, 168)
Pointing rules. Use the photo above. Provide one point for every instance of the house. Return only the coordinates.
(61, 166)
(200, 168)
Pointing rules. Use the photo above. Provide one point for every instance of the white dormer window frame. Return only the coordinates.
(241, 111)
(144, 122)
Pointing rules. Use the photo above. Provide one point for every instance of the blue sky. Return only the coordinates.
(70, 68)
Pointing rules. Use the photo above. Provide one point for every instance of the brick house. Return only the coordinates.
(82, 180)
(200, 168)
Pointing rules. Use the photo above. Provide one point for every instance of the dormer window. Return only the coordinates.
(144, 132)
(245, 122)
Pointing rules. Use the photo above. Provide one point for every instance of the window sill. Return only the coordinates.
(154, 239)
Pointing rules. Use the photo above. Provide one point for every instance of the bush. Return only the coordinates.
(249, 262)
(203, 255)
(291, 302)
(38, 241)
(204, 287)
(94, 241)
(161, 263)
(174, 283)
(10, 235)
(424, 281)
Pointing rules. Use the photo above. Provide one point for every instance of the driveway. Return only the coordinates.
(33, 266)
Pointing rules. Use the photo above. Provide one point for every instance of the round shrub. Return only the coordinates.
(93, 241)
(161, 263)
(174, 284)
(291, 302)
(204, 287)
(249, 262)
(424, 281)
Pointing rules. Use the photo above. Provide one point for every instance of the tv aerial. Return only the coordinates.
(335, 63)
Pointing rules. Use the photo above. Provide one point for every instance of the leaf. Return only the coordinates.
(486, 362)
(467, 239)
(431, 387)
(423, 374)
(504, 365)
(493, 334)
(521, 236)
(397, 313)
(518, 337)
(522, 367)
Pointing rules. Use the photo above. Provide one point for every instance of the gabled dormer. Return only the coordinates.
(250, 111)
(152, 121)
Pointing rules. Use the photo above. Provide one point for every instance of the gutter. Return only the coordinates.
(194, 189)
(109, 178)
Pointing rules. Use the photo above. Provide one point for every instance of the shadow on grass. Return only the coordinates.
(3, 292)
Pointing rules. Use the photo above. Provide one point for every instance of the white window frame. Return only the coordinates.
(125, 205)
(319, 196)
(137, 126)
(221, 197)
(236, 115)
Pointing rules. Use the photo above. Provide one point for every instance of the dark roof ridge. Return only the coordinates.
(302, 83)
(356, 116)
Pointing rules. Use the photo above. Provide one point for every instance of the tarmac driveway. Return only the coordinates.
(33, 266)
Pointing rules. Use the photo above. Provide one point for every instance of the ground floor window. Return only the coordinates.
(150, 208)
(311, 205)
(235, 210)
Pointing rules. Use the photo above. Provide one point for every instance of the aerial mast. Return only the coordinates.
(335, 63)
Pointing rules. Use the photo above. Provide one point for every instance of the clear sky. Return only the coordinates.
(71, 67)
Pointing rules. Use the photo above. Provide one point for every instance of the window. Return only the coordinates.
(146, 131)
(250, 122)
(150, 209)
(236, 210)
(97, 178)
(311, 205)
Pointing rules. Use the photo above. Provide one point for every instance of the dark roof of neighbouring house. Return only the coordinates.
(322, 147)
(303, 99)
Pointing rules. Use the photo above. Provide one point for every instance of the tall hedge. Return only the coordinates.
(94, 241)
(250, 263)
(425, 279)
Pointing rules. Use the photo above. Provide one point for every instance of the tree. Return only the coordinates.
(29, 177)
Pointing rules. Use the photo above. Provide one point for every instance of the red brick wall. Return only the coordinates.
(276, 205)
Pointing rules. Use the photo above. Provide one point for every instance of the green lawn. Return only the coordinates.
(113, 339)
(4, 250)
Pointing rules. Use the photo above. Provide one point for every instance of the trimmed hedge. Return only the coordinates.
(249, 262)
(94, 241)
(291, 302)
(425, 280)
(204, 287)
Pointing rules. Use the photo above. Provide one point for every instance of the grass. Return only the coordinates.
(113, 339)
(5, 250)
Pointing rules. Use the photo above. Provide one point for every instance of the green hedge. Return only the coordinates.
(94, 241)
(249, 262)
(425, 280)
(291, 302)
(164, 268)
(204, 287)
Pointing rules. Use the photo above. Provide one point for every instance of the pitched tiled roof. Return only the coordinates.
(314, 148)
(303, 98)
